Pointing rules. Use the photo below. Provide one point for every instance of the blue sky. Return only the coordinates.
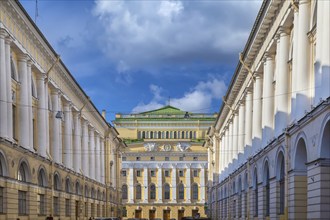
(131, 56)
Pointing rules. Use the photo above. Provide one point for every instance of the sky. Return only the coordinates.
(138, 55)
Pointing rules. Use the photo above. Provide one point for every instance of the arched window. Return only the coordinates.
(98, 195)
(22, 172)
(175, 137)
(182, 135)
(3, 165)
(282, 187)
(77, 188)
(239, 196)
(181, 191)
(86, 191)
(93, 193)
(255, 188)
(143, 134)
(57, 183)
(152, 191)
(194, 191)
(159, 135)
(124, 192)
(42, 178)
(167, 191)
(190, 135)
(151, 134)
(167, 135)
(267, 189)
(67, 185)
(138, 192)
(103, 196)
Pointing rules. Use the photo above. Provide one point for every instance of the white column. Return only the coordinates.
(3, 90)
(67, 148)
(303, 79)
(221, 143)
(216, 152)
(188, 184)
(295, 74)
(268, 99)
(325, 50)
(24, 126)
(174, 183)
(235, 135)
(8, 41)
(257, 113)
(77, 149)
(102, 155)
(227, 148)
(160, 184)
(203, 187)
(97, 158)
(145, 184)
(92, 153)
(230, 142)
(241, 128)
(131, 186)
(56, 138)
(85, 149)
(29, 88)
(282, 84)
(248, 118)
(42, 108)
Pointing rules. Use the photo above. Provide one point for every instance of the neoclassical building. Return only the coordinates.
(55, 147)
(271, 140)
(164, 167)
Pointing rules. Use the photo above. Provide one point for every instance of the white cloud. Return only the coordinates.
(197, 99)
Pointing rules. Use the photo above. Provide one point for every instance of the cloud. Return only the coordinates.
(197, 99)
(152, 35)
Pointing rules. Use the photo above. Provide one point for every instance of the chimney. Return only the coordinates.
(103, 114)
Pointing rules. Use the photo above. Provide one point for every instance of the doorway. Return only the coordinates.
(166, 214)
(152, 214)
(138, 213)
(180, 214)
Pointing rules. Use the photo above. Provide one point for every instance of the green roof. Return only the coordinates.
(167, 110)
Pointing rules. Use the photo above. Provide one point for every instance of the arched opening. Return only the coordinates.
(266, 189)
(255, 192)
(23, 172)
(239, 196)
(124, 191)
(67, 185)
(159, 135)
(138, 191)
(57, 182)
(167, 135)
(3, 165)
(152, 191)
(325, 146)
(194, 191)
(175, 136)
(42, 180)
(77, 187)
(151, 134)
(167, 191)
(182, 135)
(86, 192)
(143, 134)
(280, 176)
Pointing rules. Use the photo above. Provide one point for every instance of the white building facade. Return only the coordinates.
(272, 136)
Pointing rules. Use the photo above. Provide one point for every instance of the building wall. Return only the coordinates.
(48, 128)
(277, 119)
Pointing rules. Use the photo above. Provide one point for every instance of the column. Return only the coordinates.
(303, 79)
(102, 155)
(203, 187)
(257, 113)
(91, 153)
(8, 41)
(325, 49)
(42, 108)
(235, 135)
(248, 118)
(216, 153)
(67, 151)
(56, 138)
(221, 143)
(294, 67)
(282, 85)
(85, 150)
(227, 148)
(97, 158)
(30, 110)
(188, 184)
(3, 90)
(145, 184)
(230, 142)
(160, 184)
(77, 150)
(241, 122)
(131, 186)
(174, 183)
(23, 105)
(268, 99)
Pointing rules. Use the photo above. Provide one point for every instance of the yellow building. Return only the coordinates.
(55, 146)
(164, 167)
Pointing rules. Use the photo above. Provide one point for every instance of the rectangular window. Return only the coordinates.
(123, 173)
(167, 158)
(1, 200)
(41, 206)
(56, 206)
(181, 158)
(86, 209)
(152, 158)
(152, 173)
(167, 173)
(22, 206)
(123, 158)
(138, 173)
(15, 123)
(195, 173)
(67, 207)
(181, 173)
(195, 158)
(138, 158)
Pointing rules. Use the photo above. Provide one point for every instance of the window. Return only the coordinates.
(152, 191)
(152, 158)
(267, 190)
(282, 187)
(42, 178)
(181, 173)
(166, 191)
(195, 158)
(175, 136)
(123, 173)
(195, 191)
(123, 158)
(22, 206)
(159, 135)
(138, 192)
(57, 185)
(124, 191)
(138, 158)
(21, 175)
(67, 186)
(41, 204)
(15, 130)
(56, 206)
(67, 207)
(86, 191)
(1, 200)
(77, 188)
(181, 191)
(86, 209)
(143, 134)
(167, 173)
(195, 173)
(152, 173)
(138, 173)
(255, 183)
(167, 158)
(124, 212)
(151, 135)
(181, 158)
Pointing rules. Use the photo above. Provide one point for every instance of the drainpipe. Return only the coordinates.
(248, 190)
